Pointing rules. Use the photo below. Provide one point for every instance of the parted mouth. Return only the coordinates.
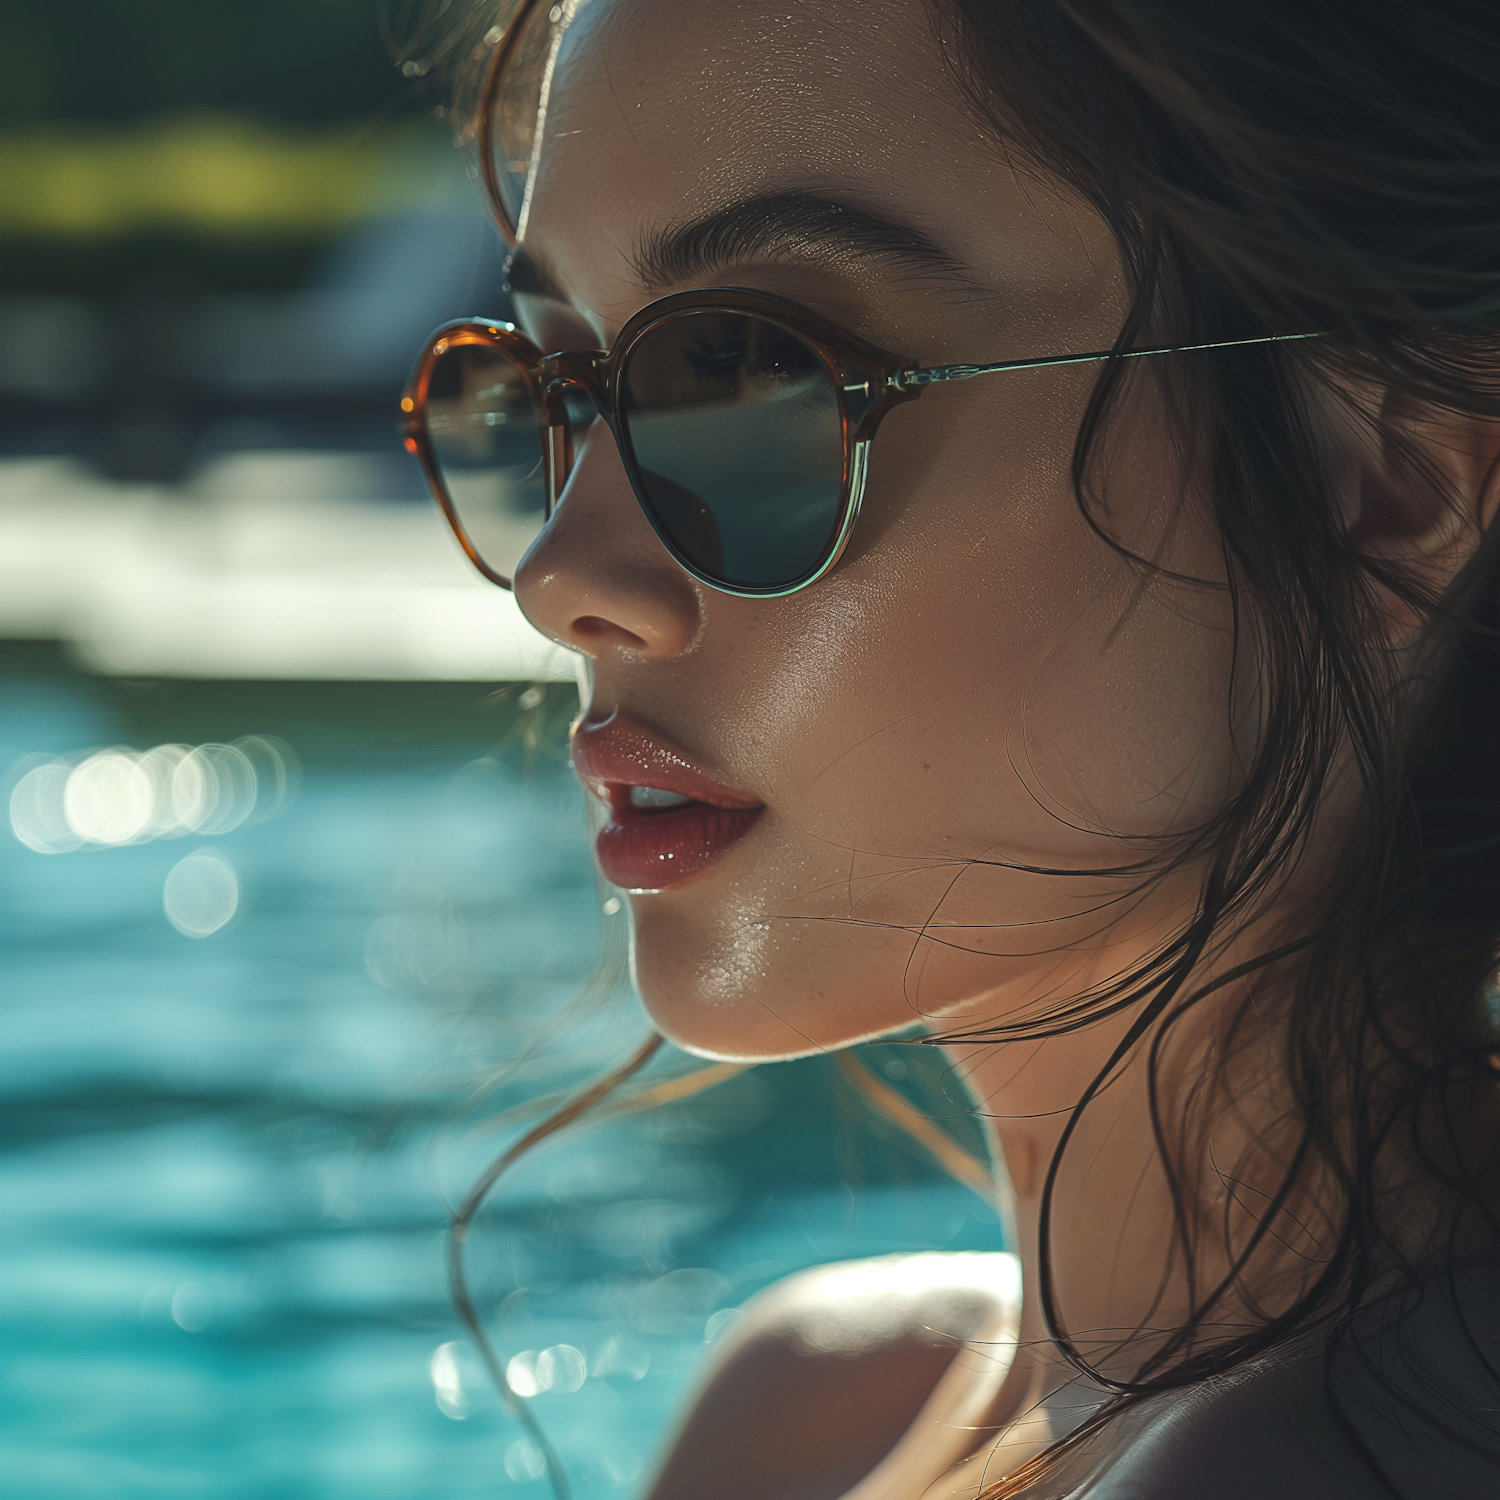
(669, 818)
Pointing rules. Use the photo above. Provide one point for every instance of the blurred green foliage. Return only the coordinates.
(305, 62)
(219, 142)
(212, 173)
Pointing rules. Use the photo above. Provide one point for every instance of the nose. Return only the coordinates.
(597, 579)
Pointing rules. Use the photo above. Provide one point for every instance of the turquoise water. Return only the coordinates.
(225, 1160)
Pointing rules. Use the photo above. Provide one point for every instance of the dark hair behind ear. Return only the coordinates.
(1296, 165)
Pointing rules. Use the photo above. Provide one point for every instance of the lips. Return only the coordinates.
(664, 842)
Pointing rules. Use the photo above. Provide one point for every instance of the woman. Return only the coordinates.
(1138, 739)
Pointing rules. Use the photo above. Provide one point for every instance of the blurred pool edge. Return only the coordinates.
(339, 722)
(272, 564)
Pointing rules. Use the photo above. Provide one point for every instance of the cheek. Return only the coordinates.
(984, 684)
(987, 668)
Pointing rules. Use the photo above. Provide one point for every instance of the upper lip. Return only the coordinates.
(614, 754)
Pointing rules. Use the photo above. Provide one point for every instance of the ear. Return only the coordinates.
(1423, 488)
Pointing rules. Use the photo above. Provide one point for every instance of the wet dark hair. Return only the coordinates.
(1278, 166)
(1272, 166)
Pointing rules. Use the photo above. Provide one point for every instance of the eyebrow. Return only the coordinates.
(770, 227)
(789, 226)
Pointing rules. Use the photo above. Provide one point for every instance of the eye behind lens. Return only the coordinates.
(736, 433)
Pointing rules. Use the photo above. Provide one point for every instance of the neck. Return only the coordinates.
(1118, 1276)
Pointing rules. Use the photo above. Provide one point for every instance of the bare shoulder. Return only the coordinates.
(851, 1306)
(823, 1374)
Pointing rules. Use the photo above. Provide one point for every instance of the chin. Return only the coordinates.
(754, 991)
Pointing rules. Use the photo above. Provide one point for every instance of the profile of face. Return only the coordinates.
(984, 707)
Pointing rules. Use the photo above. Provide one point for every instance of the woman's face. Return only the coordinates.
(982, 682)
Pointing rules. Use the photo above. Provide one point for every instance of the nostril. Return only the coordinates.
(594, 630)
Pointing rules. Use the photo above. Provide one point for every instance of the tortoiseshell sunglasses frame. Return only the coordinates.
(869, 381)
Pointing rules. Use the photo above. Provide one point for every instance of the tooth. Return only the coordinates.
(656, 797)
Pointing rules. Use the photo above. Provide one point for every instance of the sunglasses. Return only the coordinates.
(743, 420)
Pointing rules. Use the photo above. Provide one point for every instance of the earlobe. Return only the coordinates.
(1424, 488)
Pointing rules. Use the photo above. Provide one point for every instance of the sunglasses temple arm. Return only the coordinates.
(939, 374)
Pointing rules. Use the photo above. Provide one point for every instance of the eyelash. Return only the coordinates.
(712, 359)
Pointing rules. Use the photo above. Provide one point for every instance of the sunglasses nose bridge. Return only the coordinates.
(559, 377)
(580, 370)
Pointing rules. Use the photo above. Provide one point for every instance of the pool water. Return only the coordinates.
(229, 1148)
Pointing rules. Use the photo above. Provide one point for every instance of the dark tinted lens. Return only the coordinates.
(734, 421)
(488, 445)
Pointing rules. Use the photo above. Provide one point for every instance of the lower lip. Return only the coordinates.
(649, 851)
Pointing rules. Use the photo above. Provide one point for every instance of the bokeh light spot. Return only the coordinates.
(201, 894)
(192, 1306)
(107, 799)
(36, 810)
(123, 796)
(520, 1373)
(524, 1460)
(447, 1382)
(562, 1368)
